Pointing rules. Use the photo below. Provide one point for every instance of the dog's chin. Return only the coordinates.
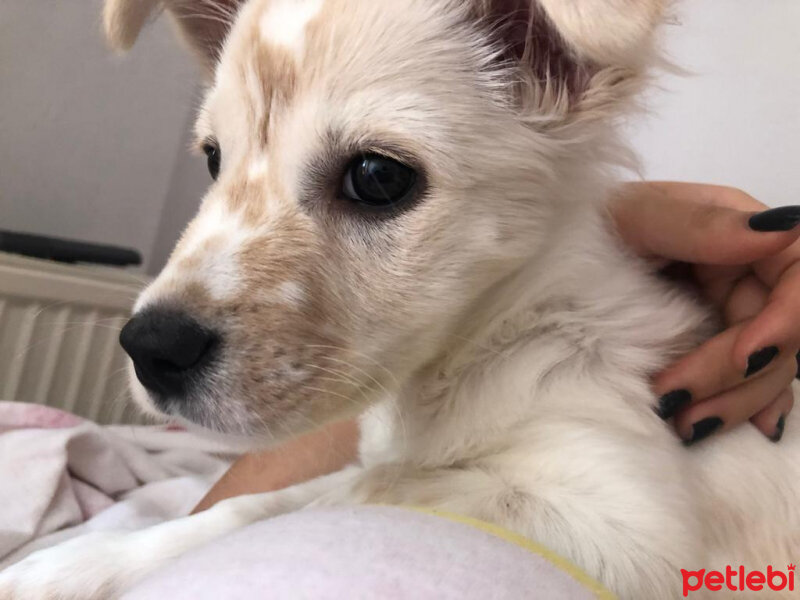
(199, 419)
(228, 441)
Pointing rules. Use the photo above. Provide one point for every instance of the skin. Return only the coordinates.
(752, 278)
(308, 456)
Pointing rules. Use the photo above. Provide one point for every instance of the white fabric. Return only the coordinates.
(61, 475)
(360, 552)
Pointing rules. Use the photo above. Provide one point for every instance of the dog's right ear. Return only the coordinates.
(204, 24)
(574, 57)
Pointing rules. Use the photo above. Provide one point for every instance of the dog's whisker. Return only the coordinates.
(344, 397)
(359, 354)
(379, 385)
(388, 396)
(344, 377)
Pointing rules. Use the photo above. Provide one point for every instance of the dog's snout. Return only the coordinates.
(168, 349)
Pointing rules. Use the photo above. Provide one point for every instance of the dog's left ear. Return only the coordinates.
(574, 52)
(204, 24)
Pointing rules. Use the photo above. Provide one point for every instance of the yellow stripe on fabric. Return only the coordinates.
(557, 561)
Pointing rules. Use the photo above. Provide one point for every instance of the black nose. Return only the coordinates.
(168, 348)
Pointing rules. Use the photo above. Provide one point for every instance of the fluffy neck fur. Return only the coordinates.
(583, 310)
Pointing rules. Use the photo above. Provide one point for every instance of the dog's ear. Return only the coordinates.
(573, 53)
(204, 24)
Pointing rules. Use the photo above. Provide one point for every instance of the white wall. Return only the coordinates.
(93, 146)
(88, 140)
(187, 186)
(736, 120)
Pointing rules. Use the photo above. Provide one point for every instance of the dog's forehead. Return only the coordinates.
(279, 50)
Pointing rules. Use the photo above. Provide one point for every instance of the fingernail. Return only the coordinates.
(669, 403)
(776, 437)
(776, 219)
(760, 359)
(702, 429)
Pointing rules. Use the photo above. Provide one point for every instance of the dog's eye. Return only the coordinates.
(377, 181)
(214, 157)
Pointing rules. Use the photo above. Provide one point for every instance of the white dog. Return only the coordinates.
(408, 223)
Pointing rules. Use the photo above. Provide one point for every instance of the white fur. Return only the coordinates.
(284, 23)
(218, 269)
(520, 353)
(291, 293)
(258, 168)
(606, 30)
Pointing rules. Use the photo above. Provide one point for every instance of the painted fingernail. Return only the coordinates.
(776, 437)
(776, 219)
(703, 428)
(760, 359)
(670, 402)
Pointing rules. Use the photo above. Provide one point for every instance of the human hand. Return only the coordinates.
(745, 260)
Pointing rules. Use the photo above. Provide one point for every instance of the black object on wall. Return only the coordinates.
(68, 251)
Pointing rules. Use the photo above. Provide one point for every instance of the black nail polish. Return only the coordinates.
(760, 359)
(704, 428)
(776, 437)
(669, 403)
(776, 219)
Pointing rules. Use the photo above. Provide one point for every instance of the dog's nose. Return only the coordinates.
(168, 349)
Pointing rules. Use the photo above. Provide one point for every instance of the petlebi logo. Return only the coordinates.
(738, 579)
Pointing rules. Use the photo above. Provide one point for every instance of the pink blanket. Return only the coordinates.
(61, 475)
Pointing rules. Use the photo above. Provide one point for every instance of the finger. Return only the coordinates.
(717, 282)
(734, 406)
(710, 370)
(772, 419)
(745, 300)
(778, 324)
(772, 269)
(656, 224)
(736, 291)
(706, 193)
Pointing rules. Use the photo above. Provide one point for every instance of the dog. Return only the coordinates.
(409, 224)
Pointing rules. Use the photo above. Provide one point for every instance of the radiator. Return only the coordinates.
(59, 326)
